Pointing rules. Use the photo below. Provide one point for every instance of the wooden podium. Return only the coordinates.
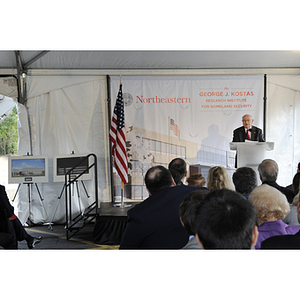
(251, 154)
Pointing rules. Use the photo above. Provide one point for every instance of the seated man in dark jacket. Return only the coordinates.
(268, 172)
(244, 180)
(11, 224)
(155, 222)
(7, 239)
(225, 220)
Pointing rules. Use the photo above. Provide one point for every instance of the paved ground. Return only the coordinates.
(56, 239)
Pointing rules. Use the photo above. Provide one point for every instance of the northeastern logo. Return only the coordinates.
(128, 99)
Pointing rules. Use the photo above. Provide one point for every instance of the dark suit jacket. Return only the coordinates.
(7, 233)
(288, 241)
(155, 223)
(12, 224)
(4, 202)
(239, 134)
(289, 194)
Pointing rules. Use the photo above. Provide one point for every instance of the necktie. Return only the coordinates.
(248, 135)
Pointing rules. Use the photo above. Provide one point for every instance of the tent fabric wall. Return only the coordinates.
(282, 124)
(8, 86)
(69, 113)
(66, 113)
(63, 86)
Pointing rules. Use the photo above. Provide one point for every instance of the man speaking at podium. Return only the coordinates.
(247, 131)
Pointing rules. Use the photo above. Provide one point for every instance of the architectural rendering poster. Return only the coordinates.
(189, 117)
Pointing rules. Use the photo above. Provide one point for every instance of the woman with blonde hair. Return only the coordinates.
(219, 178)
(271, 207)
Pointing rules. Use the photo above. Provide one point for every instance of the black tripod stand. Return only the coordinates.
(29, 195)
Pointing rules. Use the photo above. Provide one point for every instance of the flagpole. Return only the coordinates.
(169, 138)
(122, 194)
(122, 205)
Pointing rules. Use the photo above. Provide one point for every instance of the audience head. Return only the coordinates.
(196, 180)
(244, 180)
(158, 178)
(269, 203)
(187, 209)
(268, 170)
(298, 169)
(179, 165)
(176, 176)
(296, 183)
(226, 220)
(218, 178)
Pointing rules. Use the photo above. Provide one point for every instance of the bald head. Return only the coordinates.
(157, 178)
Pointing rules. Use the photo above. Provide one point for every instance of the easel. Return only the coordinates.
(29, 195)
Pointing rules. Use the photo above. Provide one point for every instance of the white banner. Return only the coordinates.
(178, 116)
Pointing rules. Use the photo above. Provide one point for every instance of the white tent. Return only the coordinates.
(63, 103)
(6, 106)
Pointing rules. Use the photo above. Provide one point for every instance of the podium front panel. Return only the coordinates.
(250, 155)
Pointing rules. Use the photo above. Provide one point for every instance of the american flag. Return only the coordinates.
(174, 128)
(118, 139)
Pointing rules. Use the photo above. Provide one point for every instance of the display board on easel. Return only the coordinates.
(63, 163)
(27, 169)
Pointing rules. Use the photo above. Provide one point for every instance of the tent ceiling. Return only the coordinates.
(159, 60)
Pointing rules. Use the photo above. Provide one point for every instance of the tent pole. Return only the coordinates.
(22, 92)
(35, 59)
(27, 111)
(110, 150)
(265, 104)
(19, 75)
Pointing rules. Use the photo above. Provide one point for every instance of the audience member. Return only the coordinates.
(287, 241)
(225, 220)
(177, 167)
(291, 185)
(268, 172)
(12, 225)
(296, 188)
(154, 223)
(244, 180)
(7, 240)
(196, 180)
(218, 178)
(271, 208)
(176, 176)
(292, 216)
(187, 210)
